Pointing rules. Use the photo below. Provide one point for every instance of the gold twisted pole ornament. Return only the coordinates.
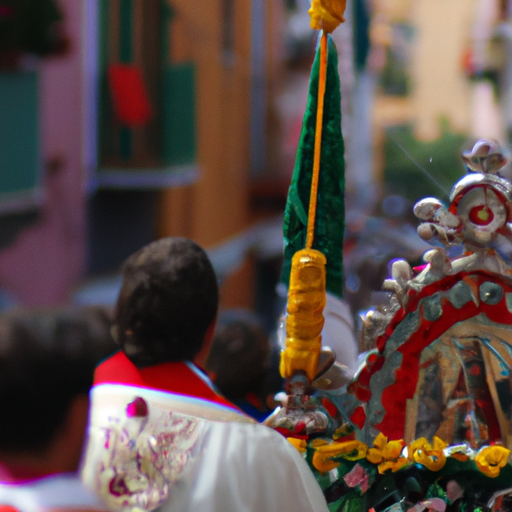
(326, 15)
(306, 294)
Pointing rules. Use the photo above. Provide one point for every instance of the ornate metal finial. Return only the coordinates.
(486, 157)
(479, 211)
(480, 206)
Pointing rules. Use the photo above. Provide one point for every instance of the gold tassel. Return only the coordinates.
(306, 302)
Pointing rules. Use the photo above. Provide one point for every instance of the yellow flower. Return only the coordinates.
(350, 450)
(326, 15)
(300, 444)
(491, 459)
(394, 465)
(375, 454)
(346, 431)
(416, 445)
(386, 454)
(318, 442)
(323, 462)
(432, 457)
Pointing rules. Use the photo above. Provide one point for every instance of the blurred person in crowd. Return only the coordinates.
(239, 362)
(160, 435)
(47, 361)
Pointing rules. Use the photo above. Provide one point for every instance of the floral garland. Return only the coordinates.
(395, 455)
(347, 468)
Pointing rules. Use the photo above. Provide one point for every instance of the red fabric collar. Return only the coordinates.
(17, 475)
(177, 378)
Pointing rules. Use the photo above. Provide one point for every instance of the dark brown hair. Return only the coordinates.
(168, 300)
(47, 358)
(239, 355)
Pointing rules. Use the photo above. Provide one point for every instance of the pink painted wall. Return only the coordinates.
(46, 262)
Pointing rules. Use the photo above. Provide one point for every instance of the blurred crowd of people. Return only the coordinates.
(156, 404)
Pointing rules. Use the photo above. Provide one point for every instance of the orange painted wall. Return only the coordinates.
(216, 207)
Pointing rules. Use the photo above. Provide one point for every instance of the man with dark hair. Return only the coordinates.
(160, 434)
(167, 303)
(47, 361)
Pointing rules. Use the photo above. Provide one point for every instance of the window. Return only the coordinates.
(19, 140)
(135, 34)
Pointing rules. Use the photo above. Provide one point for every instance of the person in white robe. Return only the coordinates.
(160, 435)
(47, 361)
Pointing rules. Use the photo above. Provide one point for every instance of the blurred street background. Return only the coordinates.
(123, 121)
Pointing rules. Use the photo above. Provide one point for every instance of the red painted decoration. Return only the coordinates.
(358, 417)
(395, 396)
(481, 215)
(329, 407)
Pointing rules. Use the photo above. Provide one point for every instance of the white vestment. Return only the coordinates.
(152, 448)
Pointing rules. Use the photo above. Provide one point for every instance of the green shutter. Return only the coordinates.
(105, 132)
(166, 147)
(179, 140)
(125, 56)
(19, 143)
(126, 31)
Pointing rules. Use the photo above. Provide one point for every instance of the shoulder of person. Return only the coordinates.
(270, 473)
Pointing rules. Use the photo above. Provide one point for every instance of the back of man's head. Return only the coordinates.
(47, 361)
(168, 300)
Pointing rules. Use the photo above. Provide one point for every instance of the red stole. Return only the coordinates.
(177, 378)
